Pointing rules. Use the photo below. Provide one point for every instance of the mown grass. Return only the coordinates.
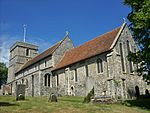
(8, 104)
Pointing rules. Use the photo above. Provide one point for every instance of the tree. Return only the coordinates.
(140, 27)
(3, 73)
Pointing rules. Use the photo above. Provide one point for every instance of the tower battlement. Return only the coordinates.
(20, 52)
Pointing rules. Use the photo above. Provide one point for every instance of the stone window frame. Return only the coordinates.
(123, 88)
(100, 68)
(122, 57)
(22, 80)
(75, 75)
(86, 71)
(27, 52)
(57, 80)
(47, 80)
(131, 70)
(136, 65)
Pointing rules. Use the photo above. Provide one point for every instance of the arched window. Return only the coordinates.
(128, 47)
(22, 81)
(27, 52)
(86, 70)
(49, 79)
(99, 66)
(76, 79)
(122, 58)
(57, 78)
(130, 63)
(45, 80)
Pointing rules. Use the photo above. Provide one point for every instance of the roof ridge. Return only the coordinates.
(93, 47)
(55, 44)
(94, 39)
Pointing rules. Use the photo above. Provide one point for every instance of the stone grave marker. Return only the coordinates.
(52, 98)
(20, 92)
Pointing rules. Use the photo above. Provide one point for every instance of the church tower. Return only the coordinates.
(20, 52)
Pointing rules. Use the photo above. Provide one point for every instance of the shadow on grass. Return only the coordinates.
(7, 104)
(72, 100)
(142, 103)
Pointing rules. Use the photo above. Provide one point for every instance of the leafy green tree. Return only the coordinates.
(140, 27)
(3, 73)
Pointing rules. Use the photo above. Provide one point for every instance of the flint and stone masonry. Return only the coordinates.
(67, 70)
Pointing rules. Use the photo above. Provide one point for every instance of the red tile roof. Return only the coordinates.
(41, 56)
(94, 47)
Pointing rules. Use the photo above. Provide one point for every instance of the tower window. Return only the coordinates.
(27, 52)
(99, 66)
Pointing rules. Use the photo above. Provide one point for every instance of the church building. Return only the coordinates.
(63, 69)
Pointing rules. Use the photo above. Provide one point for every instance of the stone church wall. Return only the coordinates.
(79, 78)
(65, 46)
(125, 81)
(112, 82)
(86, 78)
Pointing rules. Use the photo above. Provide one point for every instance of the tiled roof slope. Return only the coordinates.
(41, 56)
(94, 47)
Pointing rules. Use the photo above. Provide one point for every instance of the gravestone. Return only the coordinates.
(52, 98)
(20, 92)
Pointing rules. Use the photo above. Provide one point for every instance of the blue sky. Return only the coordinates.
(48, 20)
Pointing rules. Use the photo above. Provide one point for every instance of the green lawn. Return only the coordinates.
(8, 104)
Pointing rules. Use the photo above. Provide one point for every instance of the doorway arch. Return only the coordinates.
(72, 91)
(146, 92)
(137, 91)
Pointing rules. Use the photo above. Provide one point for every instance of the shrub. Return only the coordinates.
(89, 96)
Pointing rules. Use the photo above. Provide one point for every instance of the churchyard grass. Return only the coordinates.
(66, 104)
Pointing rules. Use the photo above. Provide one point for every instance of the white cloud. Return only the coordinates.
(6, 41)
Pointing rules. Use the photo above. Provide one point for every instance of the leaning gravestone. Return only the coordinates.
(20, 92)
(52, 98)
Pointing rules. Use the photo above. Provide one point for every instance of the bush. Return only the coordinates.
(89, 96)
